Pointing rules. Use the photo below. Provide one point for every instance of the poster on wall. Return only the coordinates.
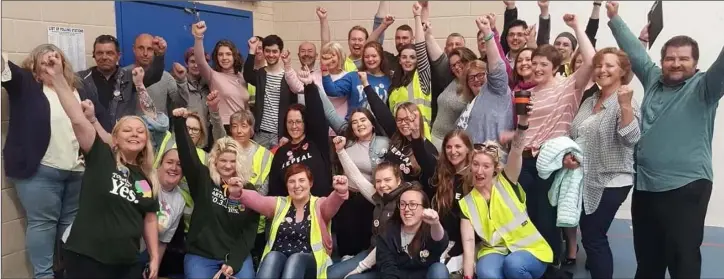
(72, 42)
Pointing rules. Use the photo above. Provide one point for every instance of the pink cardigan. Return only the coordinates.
(327, 208)
(296, 85)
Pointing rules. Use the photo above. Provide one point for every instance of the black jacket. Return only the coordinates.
(258, 79)
(126, 103)
(394, 263)
(385, 207)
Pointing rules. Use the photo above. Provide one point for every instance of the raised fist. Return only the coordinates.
(253, 42)
(88, 110)
(417, 9)
(138, 74)
(339, 182)
(178, 72)
(212, 101)
(388, 20)
(305, 76)
(159, 45)
(570, 20)
(339, 143)
(321, 13)
(180, 112)
(198, 29)
(624, 95)
(286, 58)
(483, 24)
(363, 78)
(430, 216)
(611, 9)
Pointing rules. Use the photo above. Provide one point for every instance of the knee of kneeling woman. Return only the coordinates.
(272, 264)
(300, 265)
(438, 271)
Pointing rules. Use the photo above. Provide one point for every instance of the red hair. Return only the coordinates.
(297, 169)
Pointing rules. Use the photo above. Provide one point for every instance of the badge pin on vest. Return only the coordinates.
(377, 223)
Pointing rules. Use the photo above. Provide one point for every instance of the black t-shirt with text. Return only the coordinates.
(113, 203)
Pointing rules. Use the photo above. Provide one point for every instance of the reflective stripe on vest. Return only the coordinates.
(321, 257)
(413, 94)
(168, 143)
(506, 226)
(349, 65)
(261, 164)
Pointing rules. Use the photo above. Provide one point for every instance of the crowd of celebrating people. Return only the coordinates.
(430, 162)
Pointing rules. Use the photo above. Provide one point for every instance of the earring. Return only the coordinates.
(495, 173)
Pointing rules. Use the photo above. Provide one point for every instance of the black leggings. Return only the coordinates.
(79, 266)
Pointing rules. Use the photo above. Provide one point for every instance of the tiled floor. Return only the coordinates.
(621, 239)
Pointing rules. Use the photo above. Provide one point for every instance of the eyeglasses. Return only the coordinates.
(193, 130)
(477, 77)
(411, 206)
(485, 147)
(295, 123)
(407, 120)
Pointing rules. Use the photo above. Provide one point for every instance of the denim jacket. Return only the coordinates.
(379, 145)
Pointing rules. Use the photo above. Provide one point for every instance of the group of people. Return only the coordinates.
(425, 163)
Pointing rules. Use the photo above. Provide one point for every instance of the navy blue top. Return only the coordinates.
(29, 126)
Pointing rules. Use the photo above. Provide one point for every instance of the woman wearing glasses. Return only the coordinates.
(414, 240)
(491, 112)
(494, 211)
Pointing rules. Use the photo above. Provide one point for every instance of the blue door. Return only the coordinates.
(170, 21)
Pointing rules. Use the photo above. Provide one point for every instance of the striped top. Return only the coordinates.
(269, 120)
(553, 112)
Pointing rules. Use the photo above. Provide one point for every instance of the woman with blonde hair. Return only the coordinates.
(221, 230)
(494, 211)
(118, 192)
(41, 152)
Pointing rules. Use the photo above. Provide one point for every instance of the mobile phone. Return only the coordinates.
(146, 272)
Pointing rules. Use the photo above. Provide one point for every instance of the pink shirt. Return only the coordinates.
(327, 208)
(231, 88)
(297, 86)
(553, 111)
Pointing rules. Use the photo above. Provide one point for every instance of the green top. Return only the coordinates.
(113, 203)
(221, 229)
(677, 120)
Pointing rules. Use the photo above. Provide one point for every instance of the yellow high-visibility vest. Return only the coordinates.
(252, 91)
(413, 94)
(503, 224)
(261, 165)
(320, 253)
(169, 142)
(349, 65)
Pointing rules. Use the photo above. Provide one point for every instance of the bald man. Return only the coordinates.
(164, 93)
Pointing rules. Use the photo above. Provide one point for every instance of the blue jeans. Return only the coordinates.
(341, 269)
(594, 229)
(276, 265)
(516, 265)
(50, 199)
(438, 271)
(199, 267)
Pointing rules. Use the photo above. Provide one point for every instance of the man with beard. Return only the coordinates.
(164, 93)
(114, 85)
(673, 158)
(307, 57)
(273, 96)
(518, 35)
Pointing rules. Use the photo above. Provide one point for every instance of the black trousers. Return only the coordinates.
(668, 229)
(594, 229)
(540, 210)
(80, 266)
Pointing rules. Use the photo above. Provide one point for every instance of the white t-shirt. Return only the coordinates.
(171, 206)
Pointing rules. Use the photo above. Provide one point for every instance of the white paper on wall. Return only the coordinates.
(72, 42)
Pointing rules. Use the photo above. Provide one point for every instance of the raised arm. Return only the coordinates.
(330, 205)
(544, 23)
(423, 61)
(515, 156)
(190, 162)
(325, 34)
(182, 85)
(497, 76)
(295, 85)
(52, 75)
(378, 107)
(319, 131)
(714, 88)
(583, 74)
(641, 64)
(338, 123)
(339, 88)
(593, 22)
(359, 182)
(217, 127)
(198, 31)
(382, 21)
(628, 131)
(250, 73)
(145, 103)
(154, 73)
